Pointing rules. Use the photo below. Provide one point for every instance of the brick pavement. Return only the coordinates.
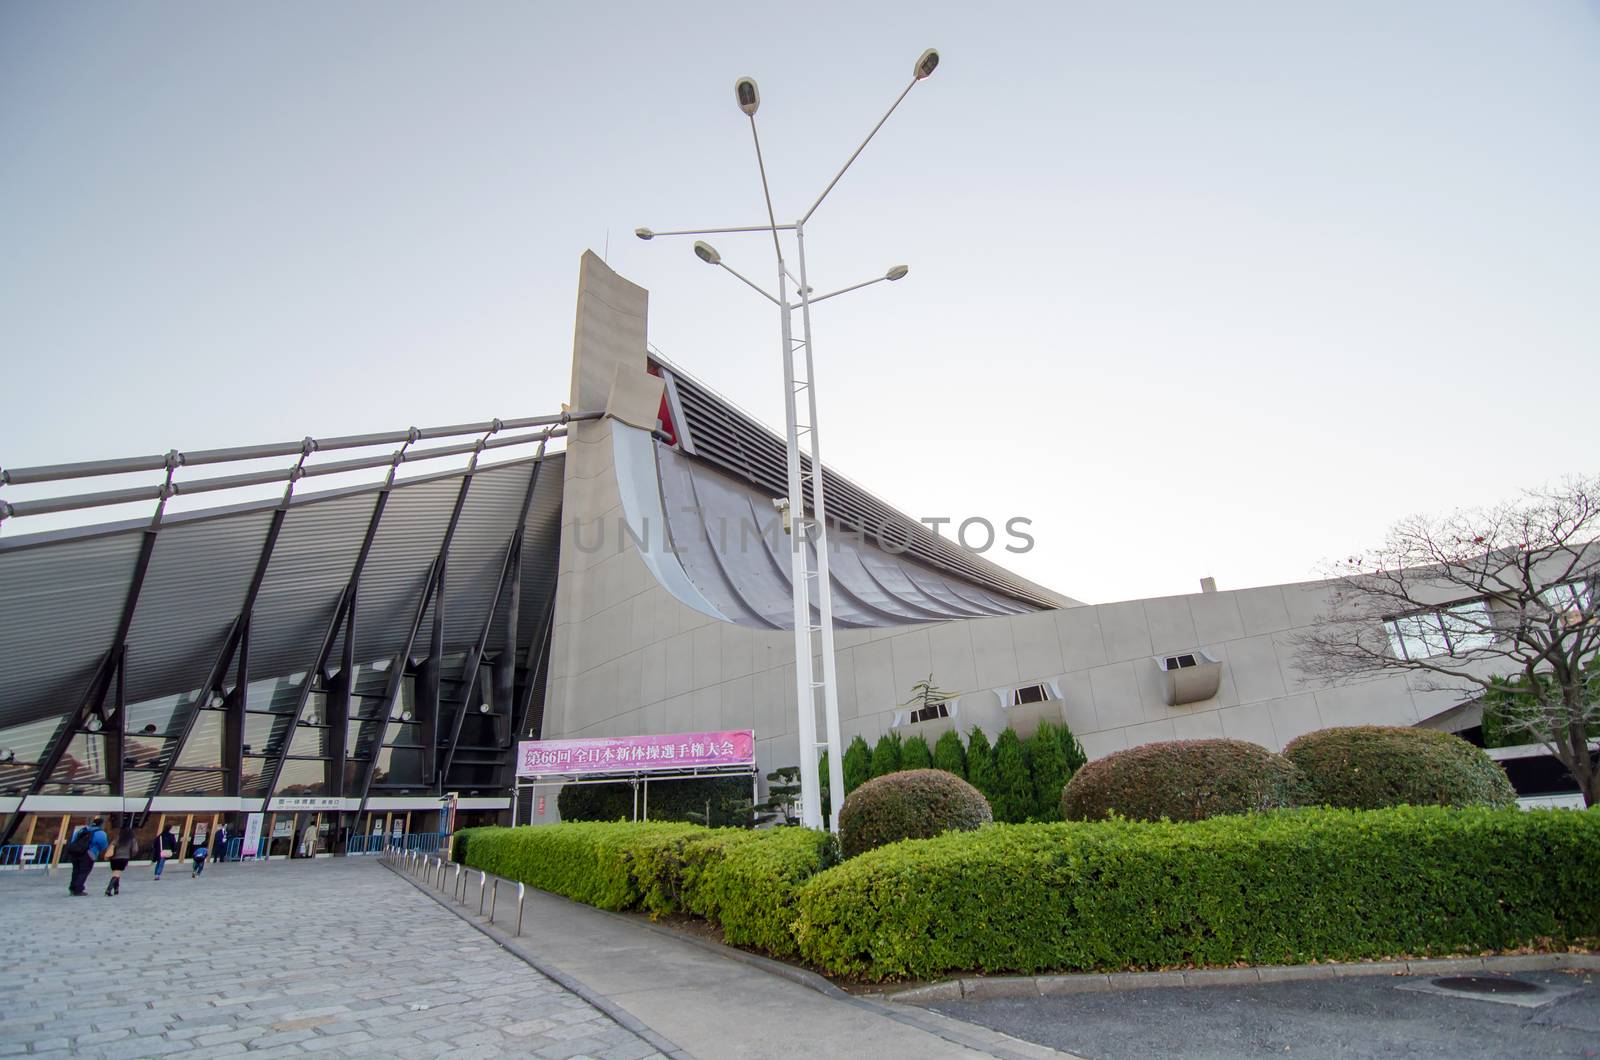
(337, 957)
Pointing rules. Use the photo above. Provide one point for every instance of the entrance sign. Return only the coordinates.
(671, 753)
(252, 837)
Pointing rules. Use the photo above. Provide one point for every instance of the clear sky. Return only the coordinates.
(1201, 289)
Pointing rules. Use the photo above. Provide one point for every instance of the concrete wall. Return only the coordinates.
(627, 657)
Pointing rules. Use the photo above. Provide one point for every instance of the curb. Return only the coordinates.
(983, 987)
(616, 1013)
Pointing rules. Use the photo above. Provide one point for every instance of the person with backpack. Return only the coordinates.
(166, 848)
(126, 848)
(85, 848)
(199, 852)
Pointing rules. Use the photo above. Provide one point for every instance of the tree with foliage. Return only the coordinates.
(783, 795)
(1048, 766)
(1012, 800)
(1498, 603)
(914, 754)
(980, 763)
(823, 785)
(1071, 749)
(949, 755)
(886, 755)
(857, 764)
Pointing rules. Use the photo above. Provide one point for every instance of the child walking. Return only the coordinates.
(200, 851)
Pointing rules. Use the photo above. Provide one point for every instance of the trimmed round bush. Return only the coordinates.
(1364, 767)
(1182, 780)
(911, 804)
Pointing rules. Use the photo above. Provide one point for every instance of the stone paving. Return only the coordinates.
(336, 957)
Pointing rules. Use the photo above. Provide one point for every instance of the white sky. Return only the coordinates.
(1200, 289)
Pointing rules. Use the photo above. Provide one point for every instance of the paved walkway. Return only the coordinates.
(337, 957)
(714, 1007)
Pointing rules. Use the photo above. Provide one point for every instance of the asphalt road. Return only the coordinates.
(1359, 1017)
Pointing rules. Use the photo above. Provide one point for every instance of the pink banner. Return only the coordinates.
(637, 754)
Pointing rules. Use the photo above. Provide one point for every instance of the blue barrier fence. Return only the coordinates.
(26, 855)
(233, 850)
(364, 844)
(420, 842)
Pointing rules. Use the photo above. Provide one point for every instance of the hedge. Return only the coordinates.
(911, 804)
(1268, 888)
(746, 881)
(1367, 766)
(1182, 780)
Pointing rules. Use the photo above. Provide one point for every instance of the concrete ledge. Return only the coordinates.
(984, 987)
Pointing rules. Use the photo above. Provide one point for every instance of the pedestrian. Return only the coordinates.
(127, 847)
(200, 851)
(166, 848)
(220, 844)
(85, 848)
(308, 842)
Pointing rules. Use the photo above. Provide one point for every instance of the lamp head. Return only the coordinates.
(927, 62)
(94, 724)
(897, 273)
(707, 253)
(644, 233)
(748, 95)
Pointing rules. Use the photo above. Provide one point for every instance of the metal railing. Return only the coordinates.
(434, 871)
(26, 855)
(421, 842)
(233, 849)
(365, 844)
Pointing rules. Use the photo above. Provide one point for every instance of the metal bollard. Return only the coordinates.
(455, 882)
(522, 894)
(494, 892)
(483, 881)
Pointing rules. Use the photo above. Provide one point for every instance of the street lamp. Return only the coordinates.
(808, 533)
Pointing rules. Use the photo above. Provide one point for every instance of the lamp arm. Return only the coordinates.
(842, 290)
(718, 231)
(858, 151)
(750, 284)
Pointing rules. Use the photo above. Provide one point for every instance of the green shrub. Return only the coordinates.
(1012, 797)
(1368, 766)
(913, 804)
(588, 861)
(1265, 888)
(886, 755)
(458, 844)
(753, 889)
(746, 881)
(1047, 764)
(914, 754)
(980, 764)
(1182, 780)
(1070, 747)
(857, 763)
(949, 755)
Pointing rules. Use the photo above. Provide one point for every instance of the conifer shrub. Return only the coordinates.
(1012, 797)
(1367, 766)
(1050, 771)
(1183, 780)
(911, 804)
(949, 755)
(857, 763)
(980, 764)
(886, 755)
(914, 754)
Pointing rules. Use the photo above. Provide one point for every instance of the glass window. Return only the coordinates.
(372, 679)
(303, 776)
(310, 741)
(1469, 627)
(82, 769)
(398, 767)
(253, 776)
(21, 749)
(203, 749)
(264, 734)
(280, 695)
(196, 782)
(160, 718)
(1417, 636)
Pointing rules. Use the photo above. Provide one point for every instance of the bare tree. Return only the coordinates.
(1497, 602)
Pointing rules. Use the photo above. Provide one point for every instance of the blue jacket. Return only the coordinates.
(97, 841)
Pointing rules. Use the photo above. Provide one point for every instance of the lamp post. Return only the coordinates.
(808, 533)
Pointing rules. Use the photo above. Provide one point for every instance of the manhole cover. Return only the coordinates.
(1483, 984)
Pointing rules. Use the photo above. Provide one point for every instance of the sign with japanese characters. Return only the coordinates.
(637, 754)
